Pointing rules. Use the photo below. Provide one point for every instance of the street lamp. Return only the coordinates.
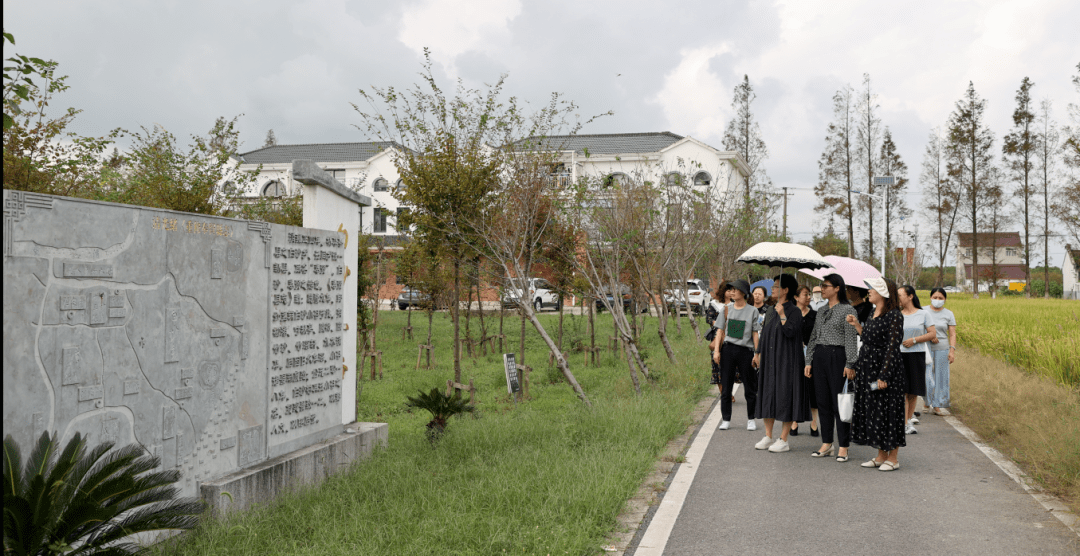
(886, 180)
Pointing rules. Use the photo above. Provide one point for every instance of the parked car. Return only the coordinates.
(951, 289)
(628, 302)
(695, 289)
(410, 298)
(540, 293)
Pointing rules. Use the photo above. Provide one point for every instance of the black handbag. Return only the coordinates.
(710, 335)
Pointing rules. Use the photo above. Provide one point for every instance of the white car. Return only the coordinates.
(696, 290)
(540, 294)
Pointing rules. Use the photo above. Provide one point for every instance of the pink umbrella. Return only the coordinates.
(853, 271)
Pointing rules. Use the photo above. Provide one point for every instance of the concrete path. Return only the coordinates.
(947, 498)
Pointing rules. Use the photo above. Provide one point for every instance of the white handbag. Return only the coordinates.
(846, 402)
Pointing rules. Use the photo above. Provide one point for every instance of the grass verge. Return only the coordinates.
(547, 476)
(1032, 419)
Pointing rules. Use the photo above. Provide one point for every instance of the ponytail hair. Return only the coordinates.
(910, 291)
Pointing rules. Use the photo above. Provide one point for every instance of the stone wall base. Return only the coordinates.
(262, 483)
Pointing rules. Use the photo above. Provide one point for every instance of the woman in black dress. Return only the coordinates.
(878, 419)
(809, 317)
(782, 395)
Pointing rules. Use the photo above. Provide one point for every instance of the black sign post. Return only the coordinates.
(510, 367)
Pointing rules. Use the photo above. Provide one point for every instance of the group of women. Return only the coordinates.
(872, 339)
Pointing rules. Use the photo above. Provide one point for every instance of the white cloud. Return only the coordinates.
(453, 27)
(690, 94)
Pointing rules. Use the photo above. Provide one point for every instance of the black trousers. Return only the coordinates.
(827, 371)
(737, 359)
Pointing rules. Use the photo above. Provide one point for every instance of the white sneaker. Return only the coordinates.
(764, 443)
(779, 446)
(910, 429)
(751, 425)
(913, 421)
(724, 425)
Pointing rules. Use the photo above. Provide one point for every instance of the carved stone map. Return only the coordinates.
(215, 343)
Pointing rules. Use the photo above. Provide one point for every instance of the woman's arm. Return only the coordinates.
(932, 334)
(851, 343)
(853, 320)
(952, 342)
(791, 324)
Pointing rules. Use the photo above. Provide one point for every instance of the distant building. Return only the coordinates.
(1008, 252)
(1070, 273)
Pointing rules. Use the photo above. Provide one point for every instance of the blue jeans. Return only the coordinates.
(937, 379)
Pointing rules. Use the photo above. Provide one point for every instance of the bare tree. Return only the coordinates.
(941, 200)
(867, 141)
(1046, 152)
(996, 217)
(837, 164)
(969, 147)
(1018, 150)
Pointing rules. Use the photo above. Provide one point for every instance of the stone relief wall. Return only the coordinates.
(215, 343)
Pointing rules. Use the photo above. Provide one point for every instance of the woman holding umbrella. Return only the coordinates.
(782, 396)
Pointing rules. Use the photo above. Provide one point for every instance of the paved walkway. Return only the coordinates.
(947, 498)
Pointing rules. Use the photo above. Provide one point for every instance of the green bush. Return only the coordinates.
(79, 502)
(1038, 288)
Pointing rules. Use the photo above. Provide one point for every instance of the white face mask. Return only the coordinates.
(937, 303)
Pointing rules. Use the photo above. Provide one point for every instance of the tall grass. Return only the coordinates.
(1041, 336)
(546, 476)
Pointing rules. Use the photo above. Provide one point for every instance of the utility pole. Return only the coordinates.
(786, 195)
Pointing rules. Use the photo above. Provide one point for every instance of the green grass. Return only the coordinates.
(1041, 336)
(547, 476)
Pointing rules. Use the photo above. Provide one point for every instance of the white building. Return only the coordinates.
(368, 167)
(1070, 273)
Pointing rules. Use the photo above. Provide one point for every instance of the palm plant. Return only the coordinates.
(441, 407)
(87, 502)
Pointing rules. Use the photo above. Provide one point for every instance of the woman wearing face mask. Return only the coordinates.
(878, 419)
(942, 351)
(918, 331)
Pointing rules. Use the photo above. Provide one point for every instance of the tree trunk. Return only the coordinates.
(430, 317)
(592, 329)
(563, 365)
(456, 317)
(480, 303)
(502, 316)
(524, 316)
(690, 315)
(661, 330)
(633, 368)
(468, 312)
(560, 322)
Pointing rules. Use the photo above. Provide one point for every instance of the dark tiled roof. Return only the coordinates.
(318, 152)
(1005, 271)
(613, 143)
(1004, 239)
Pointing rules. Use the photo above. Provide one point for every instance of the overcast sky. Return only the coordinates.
(294, 66)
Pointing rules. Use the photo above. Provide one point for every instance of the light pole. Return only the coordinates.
(888, 180)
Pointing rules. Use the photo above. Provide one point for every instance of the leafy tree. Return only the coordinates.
(1018, 150)
(891, 164)
(743, 135)
(40, 155)
(969, 147)
(79, 501)
(1067, 204)
(829, 243)
(271, 139)
(836, 166)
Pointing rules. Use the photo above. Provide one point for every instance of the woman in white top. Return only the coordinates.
(942, 352)
(918, 331)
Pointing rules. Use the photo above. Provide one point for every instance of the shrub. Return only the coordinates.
(79, 502)
(441, 407)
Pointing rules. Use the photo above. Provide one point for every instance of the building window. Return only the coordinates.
(1010, 252)
(618, 178)
(338, 175)
(401, 211)
(274, 189)
(399, 185)
(702, 179)
(381, 185)
(380, 220)
(967, 253)
(673, 179)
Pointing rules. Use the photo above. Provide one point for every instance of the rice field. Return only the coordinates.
(1041, 336)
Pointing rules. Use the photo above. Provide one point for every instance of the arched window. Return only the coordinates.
(673, 179)
(274, 188)
(399, 185)
(381, 185)
(617, 178)
(702, 179)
